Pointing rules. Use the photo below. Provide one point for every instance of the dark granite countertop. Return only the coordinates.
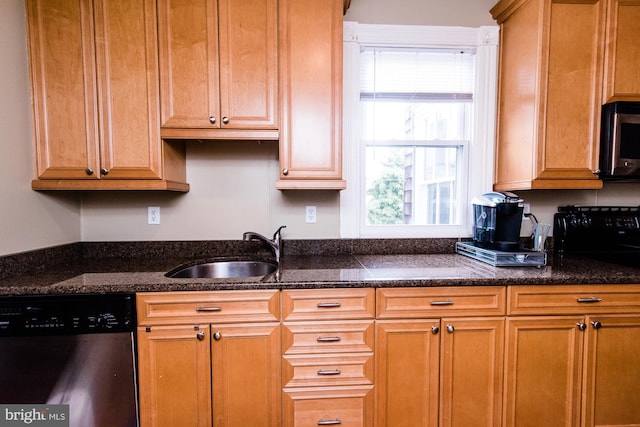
(139, 274)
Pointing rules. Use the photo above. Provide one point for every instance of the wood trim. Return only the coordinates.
(124, 184)
(318, 184)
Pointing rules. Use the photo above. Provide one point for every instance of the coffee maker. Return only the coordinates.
(497, 218)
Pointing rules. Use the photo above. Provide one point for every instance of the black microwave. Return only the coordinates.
(620, 141)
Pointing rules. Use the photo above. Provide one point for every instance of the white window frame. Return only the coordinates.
(479, 178)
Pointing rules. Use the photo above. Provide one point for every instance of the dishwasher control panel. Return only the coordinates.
(66, 314)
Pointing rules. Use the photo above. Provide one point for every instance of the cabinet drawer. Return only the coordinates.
(327, 370)
(328, 304)
(327, 337)
(399, 303)
(573, 299)
(162, 308)
(343, 406)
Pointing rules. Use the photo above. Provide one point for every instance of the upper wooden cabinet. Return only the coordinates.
(95, 89)
(310, 35)
(550, 93)
(622, 61)
(219, 68)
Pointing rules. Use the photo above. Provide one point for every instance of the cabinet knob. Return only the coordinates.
(225, 120)
(217, 335)
(596, 325)
(104, 171)
(200, 335)
(285, 171)
(450, 328)
(582, 326)
(89, 171)
(435, 330)
(212, 120)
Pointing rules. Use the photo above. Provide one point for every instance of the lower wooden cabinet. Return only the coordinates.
(328, 371)
(562, 375)
(394, 357)
(221, 371)
(573, 369)
(220, 375)
(445, 372)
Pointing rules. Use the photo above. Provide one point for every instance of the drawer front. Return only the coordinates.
(327, 370)
(400, 303)
(328, 304)
(163, 308)
(343, 406)
(327, 337)
(573, 299)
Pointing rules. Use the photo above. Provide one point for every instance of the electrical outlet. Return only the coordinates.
(153, 215)
(310, 216)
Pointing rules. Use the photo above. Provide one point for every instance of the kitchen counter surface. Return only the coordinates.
(413, 270)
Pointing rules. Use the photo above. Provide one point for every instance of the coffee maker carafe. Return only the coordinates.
(497, 218)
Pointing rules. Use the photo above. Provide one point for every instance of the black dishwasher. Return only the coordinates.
(75, 350)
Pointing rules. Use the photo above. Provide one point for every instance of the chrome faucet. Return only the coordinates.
(275, 243)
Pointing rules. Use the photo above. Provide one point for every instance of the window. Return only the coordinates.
(418, 128)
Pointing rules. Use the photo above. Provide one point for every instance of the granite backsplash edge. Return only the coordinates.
(75, 254)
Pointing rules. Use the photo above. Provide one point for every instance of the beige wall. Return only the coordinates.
(28, 220)
(232, 184)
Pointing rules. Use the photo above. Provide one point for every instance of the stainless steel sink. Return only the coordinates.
(224, 270)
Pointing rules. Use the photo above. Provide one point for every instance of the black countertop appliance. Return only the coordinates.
(607, 233)
(497, 218)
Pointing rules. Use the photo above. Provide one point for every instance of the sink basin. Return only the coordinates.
(224, 270)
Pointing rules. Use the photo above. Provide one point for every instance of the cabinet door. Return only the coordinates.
(622, 80)
(311, 94)
(543, 371)
(246, 375)
(612, 374)
(174, 376)
(189, 74)
(248, 63)
(407, 366)
(471, 372)
(63, 76)
(551, 59)
(219, 67)
(127, 69)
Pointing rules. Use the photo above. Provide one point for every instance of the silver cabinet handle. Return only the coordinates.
(200, 335)
(285, 171)
(450, 328)
(208, 309)
(217, 335)
(441, 302)
(589, 300)
(88, 171)
(435, 330)
(596, 325)
(329, 372)
(328, 339)
(582, 326)
(225, 120)
(328, 304)
(104, 171)
(329, 422)
(212, 120)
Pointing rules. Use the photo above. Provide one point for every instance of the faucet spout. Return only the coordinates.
(275, 243)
